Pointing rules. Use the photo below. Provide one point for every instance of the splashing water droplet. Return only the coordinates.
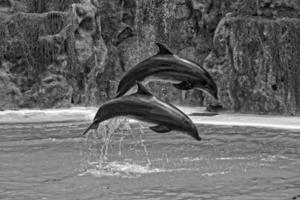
(105, 143)
(145, 149)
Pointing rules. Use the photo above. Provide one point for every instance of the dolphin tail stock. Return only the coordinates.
(94, 125)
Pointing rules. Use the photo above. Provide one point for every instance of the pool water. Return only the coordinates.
(128, 161)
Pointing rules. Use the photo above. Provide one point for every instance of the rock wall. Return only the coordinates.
(73, 52)
(256, 57)
(49, 51)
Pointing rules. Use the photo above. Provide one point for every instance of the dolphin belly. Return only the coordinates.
(143, 119)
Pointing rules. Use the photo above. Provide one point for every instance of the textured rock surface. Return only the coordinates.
(57, 53)
(52, 48)
(256, 58)
(256, 64)
(10, 94)
(33, 54)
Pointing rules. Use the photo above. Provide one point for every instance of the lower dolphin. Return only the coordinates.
(143, 106)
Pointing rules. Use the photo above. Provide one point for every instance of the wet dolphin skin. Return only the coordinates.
(143, 106)
(168, 67)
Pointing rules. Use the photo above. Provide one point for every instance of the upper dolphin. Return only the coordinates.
(143, 106)
(166, 66)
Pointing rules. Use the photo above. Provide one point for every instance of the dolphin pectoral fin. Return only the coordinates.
(184, 85)
(160, 129)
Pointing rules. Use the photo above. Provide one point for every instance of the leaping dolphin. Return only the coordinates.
(166, 66)
(143, 106)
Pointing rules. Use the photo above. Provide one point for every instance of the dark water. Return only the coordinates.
(52, 161)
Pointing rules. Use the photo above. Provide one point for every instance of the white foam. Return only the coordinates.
(87, 114)
(47, 115)
(215, 173)
(267, 121)
(126, 169)
(120, 168)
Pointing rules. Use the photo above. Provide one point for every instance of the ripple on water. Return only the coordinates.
(230, 163)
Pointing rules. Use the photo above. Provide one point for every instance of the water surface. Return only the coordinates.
(53, 161)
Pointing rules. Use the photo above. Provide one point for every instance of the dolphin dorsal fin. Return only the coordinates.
(142, 89)
(163, 49)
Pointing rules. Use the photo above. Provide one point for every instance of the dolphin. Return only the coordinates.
(143, 106)
(166, 66)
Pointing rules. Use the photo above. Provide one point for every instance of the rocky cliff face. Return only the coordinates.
(256, 57)
(58, 53)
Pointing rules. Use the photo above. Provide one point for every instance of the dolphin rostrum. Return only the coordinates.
(143, 106)
(166, 66)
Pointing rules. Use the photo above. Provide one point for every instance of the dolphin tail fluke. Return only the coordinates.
(94, 125)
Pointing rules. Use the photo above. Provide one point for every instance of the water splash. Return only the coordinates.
(124, 169)
(103, 143)
(100, 140)
(146, 151)
(131, 169)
